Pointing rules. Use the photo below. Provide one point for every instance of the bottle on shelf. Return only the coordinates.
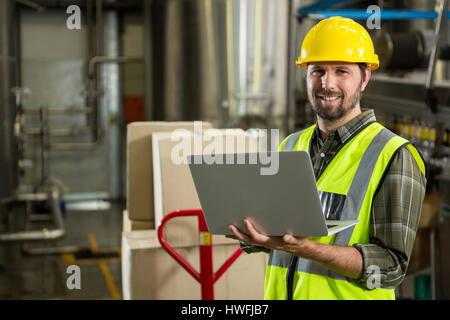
(401, 126)
(395, 125)
(408, 129)
(415, 138)
(446, 137)
(432, 135)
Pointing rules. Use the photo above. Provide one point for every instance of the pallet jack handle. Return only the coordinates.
(206, 277)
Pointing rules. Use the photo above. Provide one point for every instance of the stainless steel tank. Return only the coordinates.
(211, 60)
(8, 80)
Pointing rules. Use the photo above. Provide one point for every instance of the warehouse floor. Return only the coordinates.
(30, 276)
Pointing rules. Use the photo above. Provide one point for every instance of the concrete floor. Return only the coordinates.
(26, 276)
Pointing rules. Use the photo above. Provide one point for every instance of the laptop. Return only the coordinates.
(286, 201)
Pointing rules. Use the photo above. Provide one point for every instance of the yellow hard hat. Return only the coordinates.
(338, 39)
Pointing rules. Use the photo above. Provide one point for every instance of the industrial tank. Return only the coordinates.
(9, 68)
(214, 60)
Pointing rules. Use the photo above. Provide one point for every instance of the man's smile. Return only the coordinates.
(329, 100)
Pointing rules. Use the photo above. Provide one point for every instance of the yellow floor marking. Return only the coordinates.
(93, 241)
(104, 267)
(69, 259)
(109, 280)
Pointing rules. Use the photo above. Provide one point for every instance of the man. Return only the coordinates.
(363, 171)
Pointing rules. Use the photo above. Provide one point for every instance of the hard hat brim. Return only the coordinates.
(373, 65)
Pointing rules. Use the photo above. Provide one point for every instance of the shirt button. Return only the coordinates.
(322, 155)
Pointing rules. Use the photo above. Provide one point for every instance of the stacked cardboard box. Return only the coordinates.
(429, 219)
(158, 183)
(139, 164)
(133, 225)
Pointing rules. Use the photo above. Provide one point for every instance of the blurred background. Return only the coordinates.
(75, 73)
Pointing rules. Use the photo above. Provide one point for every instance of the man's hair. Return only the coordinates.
(362, 67)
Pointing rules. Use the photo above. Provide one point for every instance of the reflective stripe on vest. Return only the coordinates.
(354, 175)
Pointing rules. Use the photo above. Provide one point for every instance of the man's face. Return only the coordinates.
(334, 88)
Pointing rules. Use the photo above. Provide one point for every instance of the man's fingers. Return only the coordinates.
(288, 238)
(240, 236)
(254, 233)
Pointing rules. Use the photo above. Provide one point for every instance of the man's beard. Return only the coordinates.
(335, 113)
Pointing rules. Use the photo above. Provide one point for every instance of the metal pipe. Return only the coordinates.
(52, 250)
(440, 24)
(60, 132)
(362, 14)
(114, 102)
(44, 234)
(8, 80)
(59, 111)
(290, 81)
(99, 28)
(90, 52)
(57, 132)
(44, 148)
(93, 77)
(429, 93)
(41, 196)
(90, 36)
(230, 57)
(94, 99)
(148, 43)
(32, 4)
(105, 59)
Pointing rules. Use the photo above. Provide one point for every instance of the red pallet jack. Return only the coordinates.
(206, 277)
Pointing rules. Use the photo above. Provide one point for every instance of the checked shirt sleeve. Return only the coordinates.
(252, 249)
(394, 220)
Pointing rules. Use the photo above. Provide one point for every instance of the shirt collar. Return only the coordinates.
(347, 130)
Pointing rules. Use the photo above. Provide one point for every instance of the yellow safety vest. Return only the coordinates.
(347, 185)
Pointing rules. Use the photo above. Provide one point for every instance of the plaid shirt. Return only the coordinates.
(395, 208)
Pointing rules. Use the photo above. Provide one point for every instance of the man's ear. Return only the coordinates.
(366, 79)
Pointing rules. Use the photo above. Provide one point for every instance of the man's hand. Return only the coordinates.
(287, 242)
(343, 260)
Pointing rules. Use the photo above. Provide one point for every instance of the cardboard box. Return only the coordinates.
(174, 188)
(420, 255)
(429, 217)
(133, 225)
(149, 272)
(139, 164)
